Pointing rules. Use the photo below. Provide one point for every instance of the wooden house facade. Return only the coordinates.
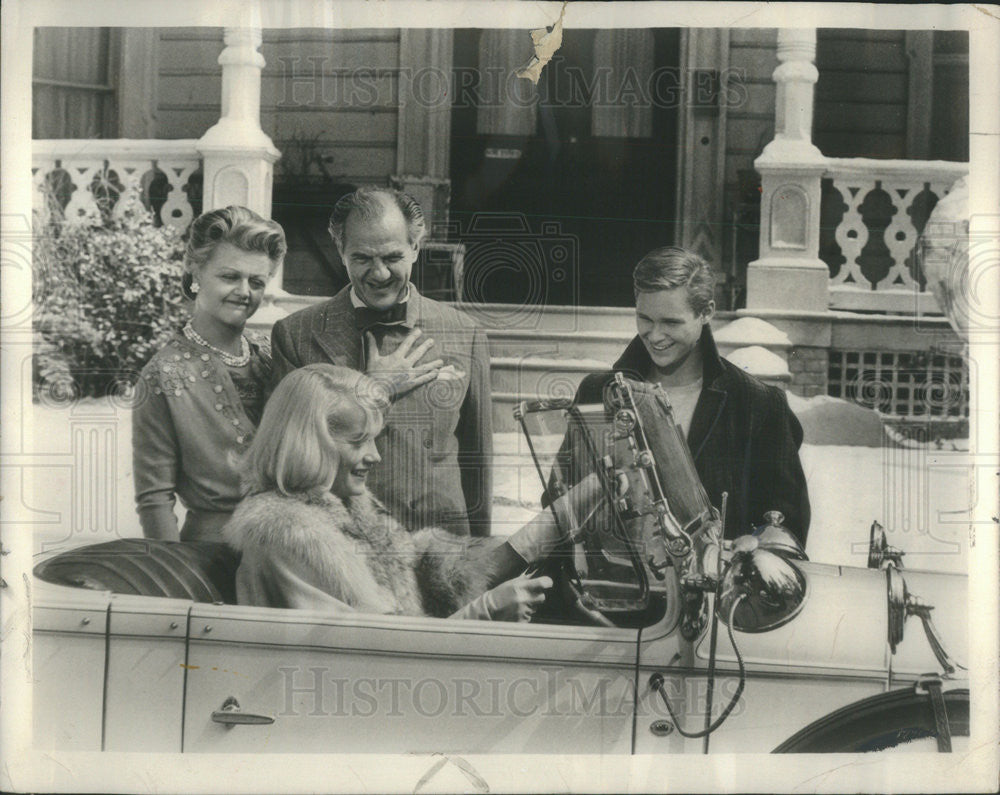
(802, 163)
(632, 138)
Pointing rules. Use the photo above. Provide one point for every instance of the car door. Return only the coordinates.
(830, 654)
(145, 673)
(306, 682)
(69, 654)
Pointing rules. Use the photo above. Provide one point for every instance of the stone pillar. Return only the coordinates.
(238, 156)
(789, 274)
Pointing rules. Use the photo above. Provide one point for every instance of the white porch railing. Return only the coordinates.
(116, 173)
(902, 181)
(789, 274)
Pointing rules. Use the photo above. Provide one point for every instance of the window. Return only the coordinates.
(892, 94)
(73, 87)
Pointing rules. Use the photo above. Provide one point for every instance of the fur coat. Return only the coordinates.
(322, 552)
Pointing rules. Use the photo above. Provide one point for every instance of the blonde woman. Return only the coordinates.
(312, 536)
(202, 395)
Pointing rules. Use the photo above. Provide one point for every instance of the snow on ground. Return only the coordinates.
(79, 488)
(759, 361)
(918, 496)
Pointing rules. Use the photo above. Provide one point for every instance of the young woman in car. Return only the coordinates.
(312, 536)
(201, 396)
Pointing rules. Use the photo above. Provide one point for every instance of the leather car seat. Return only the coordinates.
(202, 571)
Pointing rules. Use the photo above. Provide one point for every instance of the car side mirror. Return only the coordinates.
(902, 605)
(880, 554)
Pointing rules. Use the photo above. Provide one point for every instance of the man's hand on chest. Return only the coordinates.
(395, 364)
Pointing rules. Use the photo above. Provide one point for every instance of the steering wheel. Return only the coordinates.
(565, 603)
(591, 586)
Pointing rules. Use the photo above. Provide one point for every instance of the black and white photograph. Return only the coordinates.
(499, 397)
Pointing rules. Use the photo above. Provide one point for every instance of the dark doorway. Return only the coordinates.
(579, 171)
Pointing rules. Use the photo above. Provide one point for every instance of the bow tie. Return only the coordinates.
(365, 317)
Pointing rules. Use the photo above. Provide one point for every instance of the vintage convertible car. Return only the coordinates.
(661, 638)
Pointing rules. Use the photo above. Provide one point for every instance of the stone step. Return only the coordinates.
(540, 377)
(539, 318)
(532, 377)
(532, 318)
(592, 332)
(517, 378)
(605, 346)
(524, 316)
(503, 411)
(540, 351)
(564, 319)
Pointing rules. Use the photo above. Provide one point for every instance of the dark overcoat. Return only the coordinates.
(744, 439)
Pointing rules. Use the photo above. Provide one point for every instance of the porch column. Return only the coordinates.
(238, 156)
(789, 274)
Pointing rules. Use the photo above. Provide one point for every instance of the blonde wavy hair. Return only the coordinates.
(293, 450)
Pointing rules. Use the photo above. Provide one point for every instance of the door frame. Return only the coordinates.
(704, 60)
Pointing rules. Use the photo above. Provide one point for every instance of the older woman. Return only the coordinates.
(202, 395)
(312, 536)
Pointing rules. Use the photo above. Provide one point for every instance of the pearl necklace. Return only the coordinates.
(229, 359)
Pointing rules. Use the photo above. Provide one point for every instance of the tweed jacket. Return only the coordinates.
(437, 446)
(324, 553)
(188, 428)
(743, 437)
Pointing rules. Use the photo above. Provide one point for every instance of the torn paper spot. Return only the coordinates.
(547, 41)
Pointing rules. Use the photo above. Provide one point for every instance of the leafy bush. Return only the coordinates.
(107, 295)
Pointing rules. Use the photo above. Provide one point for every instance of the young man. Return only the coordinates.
(742, 435)
(437, 444)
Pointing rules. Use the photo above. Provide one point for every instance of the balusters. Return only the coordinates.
(177, 210)
(128, 176)
(82, 205)
(855, 181)
(901, 234)
(851, 233)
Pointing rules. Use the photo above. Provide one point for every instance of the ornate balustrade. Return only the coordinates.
(88, 177)
(873, 212)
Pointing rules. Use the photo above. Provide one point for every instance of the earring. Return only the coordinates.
(194, 287)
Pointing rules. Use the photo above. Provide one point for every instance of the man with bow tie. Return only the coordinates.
(437, 445)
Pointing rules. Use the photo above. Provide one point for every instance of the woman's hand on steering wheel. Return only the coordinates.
(518, 598)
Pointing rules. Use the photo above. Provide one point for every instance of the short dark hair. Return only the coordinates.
(671, 267)
(365, 201)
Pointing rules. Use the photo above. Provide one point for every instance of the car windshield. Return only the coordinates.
(612, 557)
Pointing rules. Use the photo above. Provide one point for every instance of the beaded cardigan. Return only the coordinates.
(190, 423)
